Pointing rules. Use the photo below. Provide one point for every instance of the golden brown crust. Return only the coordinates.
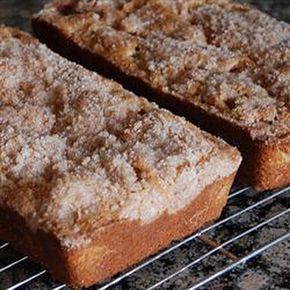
(116, 246)
(206, 83)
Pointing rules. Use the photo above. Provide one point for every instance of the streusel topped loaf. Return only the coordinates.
(175, 60)
(221, 78)
(80, 155)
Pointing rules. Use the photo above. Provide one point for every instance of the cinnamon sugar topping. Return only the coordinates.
(227, 58)
(78, 152)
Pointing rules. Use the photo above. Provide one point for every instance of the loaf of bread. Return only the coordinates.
(89, 172)
(224, 66)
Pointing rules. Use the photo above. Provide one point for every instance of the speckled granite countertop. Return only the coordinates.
(270, 270)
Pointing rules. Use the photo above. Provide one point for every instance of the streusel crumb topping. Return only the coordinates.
(78, 152)
(232, 60)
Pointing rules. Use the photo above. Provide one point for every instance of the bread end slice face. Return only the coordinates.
(272, 168)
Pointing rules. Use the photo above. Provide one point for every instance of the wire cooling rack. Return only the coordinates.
(251, 224)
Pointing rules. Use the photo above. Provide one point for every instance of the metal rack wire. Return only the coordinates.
(242, 202)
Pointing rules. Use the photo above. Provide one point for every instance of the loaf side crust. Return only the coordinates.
(276, 156)
(116, 246)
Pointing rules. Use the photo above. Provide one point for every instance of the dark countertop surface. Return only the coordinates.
(270, 270)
